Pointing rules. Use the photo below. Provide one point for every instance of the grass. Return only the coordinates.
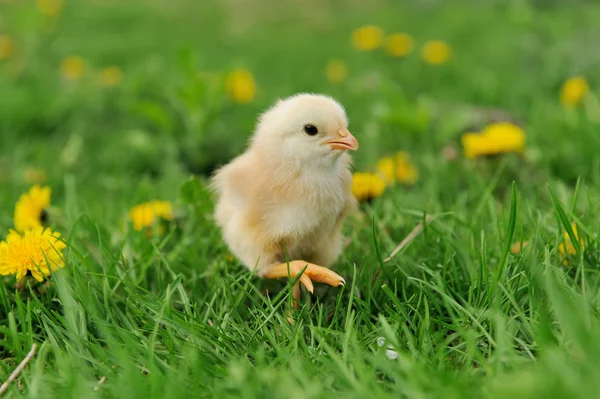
(454, 314)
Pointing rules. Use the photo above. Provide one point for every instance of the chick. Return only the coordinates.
(285, 198)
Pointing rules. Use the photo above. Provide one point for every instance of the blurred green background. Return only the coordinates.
(115, 102)
(170, 110)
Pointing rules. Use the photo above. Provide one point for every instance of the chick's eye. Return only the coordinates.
(311, 130)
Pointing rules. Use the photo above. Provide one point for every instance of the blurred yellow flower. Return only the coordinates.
(436, 52)
(573, 91)
(566, 247)
(34, 175)
(72, 68)
(240, 85)
(111, 76)
(36, 251)
(145, 215)
(30, 211)
(336, 71)
(50, 7)
(387, 169)
(398, 44)
(7, 47)
(398, 169)
(497, 138)
(366, 186)
(517, 247)
(367, 38)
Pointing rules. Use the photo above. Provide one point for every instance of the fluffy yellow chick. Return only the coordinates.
(289, 192)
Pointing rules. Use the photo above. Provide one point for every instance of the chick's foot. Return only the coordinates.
(312, 273)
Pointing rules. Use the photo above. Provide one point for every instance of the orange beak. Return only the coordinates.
(345, 141)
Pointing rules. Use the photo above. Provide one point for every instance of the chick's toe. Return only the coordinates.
(309, 272)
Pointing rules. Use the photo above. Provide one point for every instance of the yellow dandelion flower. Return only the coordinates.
(436, 52)
(497, 138)
(406, 172)
(30, 211)
(240, 85)
(145, 215)
(7, 47)
(111, 76)
(398, 168)
(367, 38)
(50, 7)
(72, 68)
(366, 186)
(34, 175)
(566, 247)
(474, 145)
(386, 168)
(573, 91)
(398, 44)
(517, 247)
(36, 251)
(336, 71)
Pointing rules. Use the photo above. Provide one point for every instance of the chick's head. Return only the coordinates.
(305, 128)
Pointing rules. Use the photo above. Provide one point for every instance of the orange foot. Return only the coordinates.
(312, 273)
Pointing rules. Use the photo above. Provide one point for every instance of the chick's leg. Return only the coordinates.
(312, 273)
(296, 292)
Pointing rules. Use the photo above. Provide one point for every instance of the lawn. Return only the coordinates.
(109, 104)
